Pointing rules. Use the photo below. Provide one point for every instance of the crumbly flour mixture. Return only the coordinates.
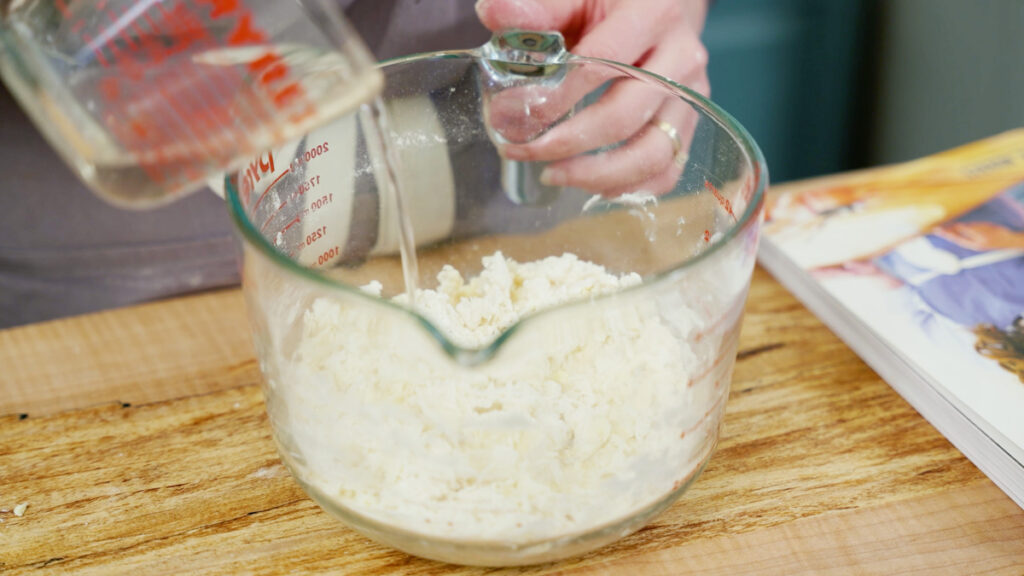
(577, 422)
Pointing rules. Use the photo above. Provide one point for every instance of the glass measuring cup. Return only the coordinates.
(147, 100)
(575, 424)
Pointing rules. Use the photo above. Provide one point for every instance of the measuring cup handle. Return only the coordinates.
(518, 59)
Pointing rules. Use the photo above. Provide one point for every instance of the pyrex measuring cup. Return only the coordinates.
(147, 100)
(571, 427)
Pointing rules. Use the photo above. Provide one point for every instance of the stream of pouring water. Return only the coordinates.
(381, 139)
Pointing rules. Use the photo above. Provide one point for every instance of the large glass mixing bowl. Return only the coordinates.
(571, 426)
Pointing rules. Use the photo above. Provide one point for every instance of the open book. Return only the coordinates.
(919, 268)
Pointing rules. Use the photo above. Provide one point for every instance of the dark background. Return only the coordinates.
(831, 85)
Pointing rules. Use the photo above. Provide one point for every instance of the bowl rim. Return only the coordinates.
(471, 356)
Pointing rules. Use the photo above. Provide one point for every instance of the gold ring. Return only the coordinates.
(679, 156)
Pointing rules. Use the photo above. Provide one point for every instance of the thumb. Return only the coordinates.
(528, 14)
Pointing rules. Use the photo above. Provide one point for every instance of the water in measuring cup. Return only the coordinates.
(143, 135)
(380, 137)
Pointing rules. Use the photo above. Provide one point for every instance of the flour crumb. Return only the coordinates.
(679, 226)
(472, 314)
(577, 423)
(637, 199)
(19, 510)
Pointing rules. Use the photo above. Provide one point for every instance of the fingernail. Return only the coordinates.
(480, 6)
(552, 177)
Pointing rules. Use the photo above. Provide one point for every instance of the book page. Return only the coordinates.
(930, 256)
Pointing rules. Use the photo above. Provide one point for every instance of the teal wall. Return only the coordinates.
(789, 71)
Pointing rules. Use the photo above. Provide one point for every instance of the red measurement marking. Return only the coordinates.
(707, 371)
(331, 252)
(293, 195)
(290, 224)
(221, 88)
(204, 102)
(196, 113)
(722, 200)
(138, 129)
(707, 414)
(246, 33)
(271, 217)
(140, 34)
(210, 100)
(192, 135)
(186, 29)
(87, 38)
(135, 132)
(255, 171)
(221, 7)
(161, 132)
(271, 68)
(287, 94)
(727, 338)
(156, 53)
(276, 180)
(322, 201)
(316, 235)
(122, 33)
(195, 119)
(212, 108)
(731, 314)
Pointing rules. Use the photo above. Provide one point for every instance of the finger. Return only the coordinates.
(519, 119)
(676, 113)
(665, 181)
(627, 32)
(620, 113)
(623, 34)
(562, 15)
(638, 160)
(623, 110)
(651, 153)
(658, 185)
(522, 113)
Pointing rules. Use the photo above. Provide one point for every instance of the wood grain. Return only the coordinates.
(821, 468)
(145, 353)
(970, 530)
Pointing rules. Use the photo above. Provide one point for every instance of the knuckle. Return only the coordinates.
(602, 50)
(672, 11)
(700, 54)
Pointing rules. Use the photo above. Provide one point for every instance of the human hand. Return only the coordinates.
(662, 36)
(981, 236)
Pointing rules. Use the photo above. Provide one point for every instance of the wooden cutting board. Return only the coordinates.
(138, 440)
